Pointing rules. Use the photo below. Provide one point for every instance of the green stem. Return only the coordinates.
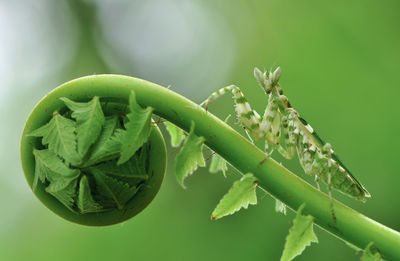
(350, 225)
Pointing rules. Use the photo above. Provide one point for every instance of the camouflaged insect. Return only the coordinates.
(316, 156)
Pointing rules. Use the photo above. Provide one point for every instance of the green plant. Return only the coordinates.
(91, 166)
(288, 188)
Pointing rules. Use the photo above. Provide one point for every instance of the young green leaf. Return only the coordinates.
(176, 133)
(129, 169)
(300, 236)
(89, 121)
(116, 191)
(189, 157)
(241, 195)
(49, 166)
(218, 164)
(280, 207)
(137, 129)
(370, 255)
(110, 149)
(106, 133)
(59, 134)
(66, 196)
(86, 203)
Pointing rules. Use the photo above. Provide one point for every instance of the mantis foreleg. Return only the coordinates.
(246, 116)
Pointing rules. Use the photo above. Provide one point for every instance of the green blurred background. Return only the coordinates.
(340, 62)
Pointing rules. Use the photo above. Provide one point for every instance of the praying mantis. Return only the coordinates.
(284, 130)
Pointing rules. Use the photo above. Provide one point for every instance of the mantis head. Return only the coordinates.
(267, 82)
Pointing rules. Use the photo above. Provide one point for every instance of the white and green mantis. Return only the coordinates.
(316, 157)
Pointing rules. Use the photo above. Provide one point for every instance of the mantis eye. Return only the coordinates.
(275, 76)
(263, 80)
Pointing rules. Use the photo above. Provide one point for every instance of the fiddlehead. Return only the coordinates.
(70, 179)
(239, 152)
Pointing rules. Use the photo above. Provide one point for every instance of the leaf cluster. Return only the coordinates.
(242, 193)
(92, 160)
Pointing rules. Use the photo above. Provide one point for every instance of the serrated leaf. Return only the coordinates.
(189, 157)
(300, 236)
(117, 191)
(218, 164)
(370, 255)
(176, 133)
(137, 129)
(280, 207)
(66, 196)
(130, 169)
(106, 133)
(59, 135)
(86, 203)
(49, 166)
(110, 149)
(241, 195)
(89, 121)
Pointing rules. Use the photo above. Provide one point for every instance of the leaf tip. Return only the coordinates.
(180, 182)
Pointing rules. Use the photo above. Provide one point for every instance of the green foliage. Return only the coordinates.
(245, 156)
(89, 121)
(241, 195)
(86, 203)
(110, 149)
(301, 235)
(137, 129)
(66, 195)
(189, 157)
(370, 254)
(113, 190)
(49, 166)
(129, 169)
(92, 157)
(218, 164)
(59, 135)
(107, 131)
(177, 134)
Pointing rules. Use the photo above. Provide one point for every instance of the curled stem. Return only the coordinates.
(350, 225)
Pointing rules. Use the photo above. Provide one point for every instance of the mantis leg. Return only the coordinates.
(248, 135)
(330, 192)
(327, 152)
(246, 116)
(317, 182)
(290, 138)
(271, 122)
(270, 126)
(323, 167)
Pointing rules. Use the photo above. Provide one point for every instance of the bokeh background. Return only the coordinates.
(340, 62)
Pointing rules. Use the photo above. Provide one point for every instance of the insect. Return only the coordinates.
(282, 125)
